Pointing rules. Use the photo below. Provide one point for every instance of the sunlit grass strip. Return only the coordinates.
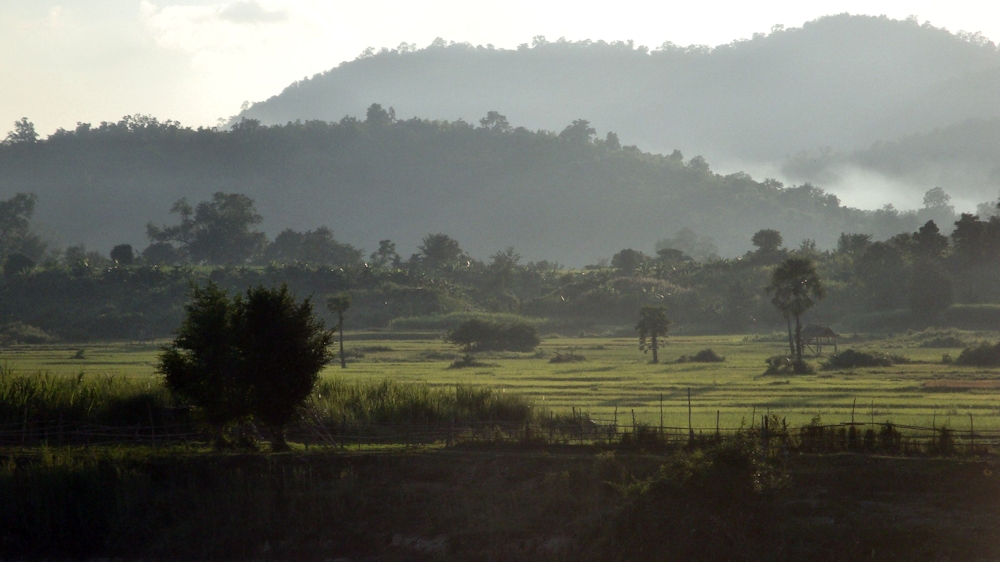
(84, 398)
(391, 402)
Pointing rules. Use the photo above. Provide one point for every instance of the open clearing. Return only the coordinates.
(617, 376)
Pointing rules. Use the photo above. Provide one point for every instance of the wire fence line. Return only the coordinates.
(582, 429)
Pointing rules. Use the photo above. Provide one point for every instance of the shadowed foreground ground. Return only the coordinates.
(489, 503)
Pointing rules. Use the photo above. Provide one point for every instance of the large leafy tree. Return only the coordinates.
(795, 287)
(653, 324)
(440, 250)
(313, 246)
(283, 347)
(203, 364)
(219, 231)
(23, 133)
(385, 255)
(15, 227)
(253, 356)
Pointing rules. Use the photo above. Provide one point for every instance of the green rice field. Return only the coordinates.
(617, 377)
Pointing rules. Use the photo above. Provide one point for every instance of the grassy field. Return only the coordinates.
(617, 376)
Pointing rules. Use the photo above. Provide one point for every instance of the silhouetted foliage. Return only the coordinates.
(122, 254)
(220, 231)
(17, 264)
(255, 356)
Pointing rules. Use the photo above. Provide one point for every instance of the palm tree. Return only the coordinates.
(796, 288)
(653, 323)
(339, 304)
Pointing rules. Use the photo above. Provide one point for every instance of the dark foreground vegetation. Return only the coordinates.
(724, 502)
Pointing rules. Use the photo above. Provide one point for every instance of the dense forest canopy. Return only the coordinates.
(843, 82)
(576, 196)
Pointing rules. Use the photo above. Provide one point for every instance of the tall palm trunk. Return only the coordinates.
(340, 328)
(791, 342)
(798, 339)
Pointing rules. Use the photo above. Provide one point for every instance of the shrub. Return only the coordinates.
(18, 332)
(982, 355)
(467, 361)
(567, 358)
(850, 358)
(703, 356)
(485, 335)
(943, 341)
(783, 365)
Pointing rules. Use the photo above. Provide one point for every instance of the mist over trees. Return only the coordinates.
(964, 156)
(836, 85)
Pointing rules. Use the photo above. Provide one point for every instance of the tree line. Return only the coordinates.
(910, 278)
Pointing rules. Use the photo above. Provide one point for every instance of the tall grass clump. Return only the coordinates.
(391, 402)
(27, 398)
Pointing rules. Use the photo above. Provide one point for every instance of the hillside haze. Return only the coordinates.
(570, 197)
(840, 83)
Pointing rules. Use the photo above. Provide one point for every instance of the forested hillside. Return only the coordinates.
(840, 81)
(573, 196)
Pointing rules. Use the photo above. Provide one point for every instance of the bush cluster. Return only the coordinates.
(703, 356)
(851, 358)
(486, 335)
(943, 341)
(784, 365)
(567, 358)
(982, 355)
(21, 333)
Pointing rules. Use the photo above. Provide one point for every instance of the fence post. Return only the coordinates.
(972, 433)
(616, 419)
(718, 436)
(690, 426)
(661, 414)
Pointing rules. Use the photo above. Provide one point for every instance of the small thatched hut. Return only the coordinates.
(815, 337)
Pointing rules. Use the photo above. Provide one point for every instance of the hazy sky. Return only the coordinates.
(198, 60)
